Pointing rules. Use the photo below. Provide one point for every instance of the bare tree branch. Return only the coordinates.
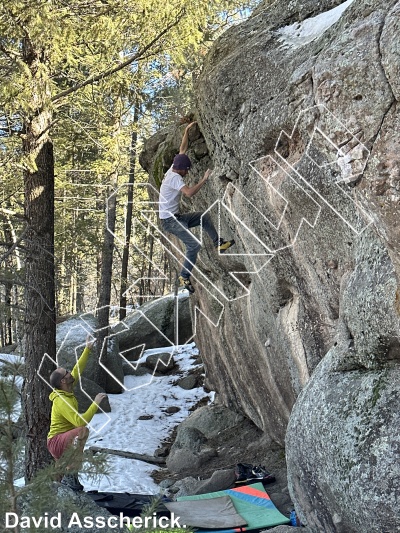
(129, 455)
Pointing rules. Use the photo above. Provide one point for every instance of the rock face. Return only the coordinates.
(299, 110)
(71, 339)
(191, 448)
(152, 326)
(342, 449)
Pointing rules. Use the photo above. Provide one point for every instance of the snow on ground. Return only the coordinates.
(301, 33)
(124, 431)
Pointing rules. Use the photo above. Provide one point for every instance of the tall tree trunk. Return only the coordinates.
(61, 292)
(105, 283)
(18, 330)
(40, 324)
(107, 256)
(17, 265)
(142, 284)
(128, 220)
(8, 326)
(151, 288)
(99, 208)
(80, 287)
(72, 290)
(8, 286)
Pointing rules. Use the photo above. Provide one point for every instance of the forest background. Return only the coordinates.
(83, 82)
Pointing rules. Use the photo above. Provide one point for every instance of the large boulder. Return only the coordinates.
(299, 109)
(112, 362)
(212, 419)
(85, 391)
(342, 448)
(342, 441)
(71, 340)
(153, 326)
(297, 192)
(297, 202)
(191, 448)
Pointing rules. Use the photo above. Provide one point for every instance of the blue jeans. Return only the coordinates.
(179, 226)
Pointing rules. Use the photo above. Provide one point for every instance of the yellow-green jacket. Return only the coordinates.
(64, 412)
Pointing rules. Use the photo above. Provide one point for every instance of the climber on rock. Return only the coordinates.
(179, 224)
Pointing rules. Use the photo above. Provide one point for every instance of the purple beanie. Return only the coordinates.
(181, 162)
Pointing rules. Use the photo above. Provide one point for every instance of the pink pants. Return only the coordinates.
(59, 443)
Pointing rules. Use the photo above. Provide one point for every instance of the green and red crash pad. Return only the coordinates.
(251, 503)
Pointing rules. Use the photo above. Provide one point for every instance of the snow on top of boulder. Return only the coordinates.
(301, 33)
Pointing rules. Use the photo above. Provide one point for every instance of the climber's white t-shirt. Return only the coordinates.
(170, 194)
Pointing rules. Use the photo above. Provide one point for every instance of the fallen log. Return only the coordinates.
(129, 455)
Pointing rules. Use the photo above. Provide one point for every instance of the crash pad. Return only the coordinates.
(251, 502)
(211, 513)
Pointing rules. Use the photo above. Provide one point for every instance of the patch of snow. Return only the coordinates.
(301, 33)
(151, 396)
